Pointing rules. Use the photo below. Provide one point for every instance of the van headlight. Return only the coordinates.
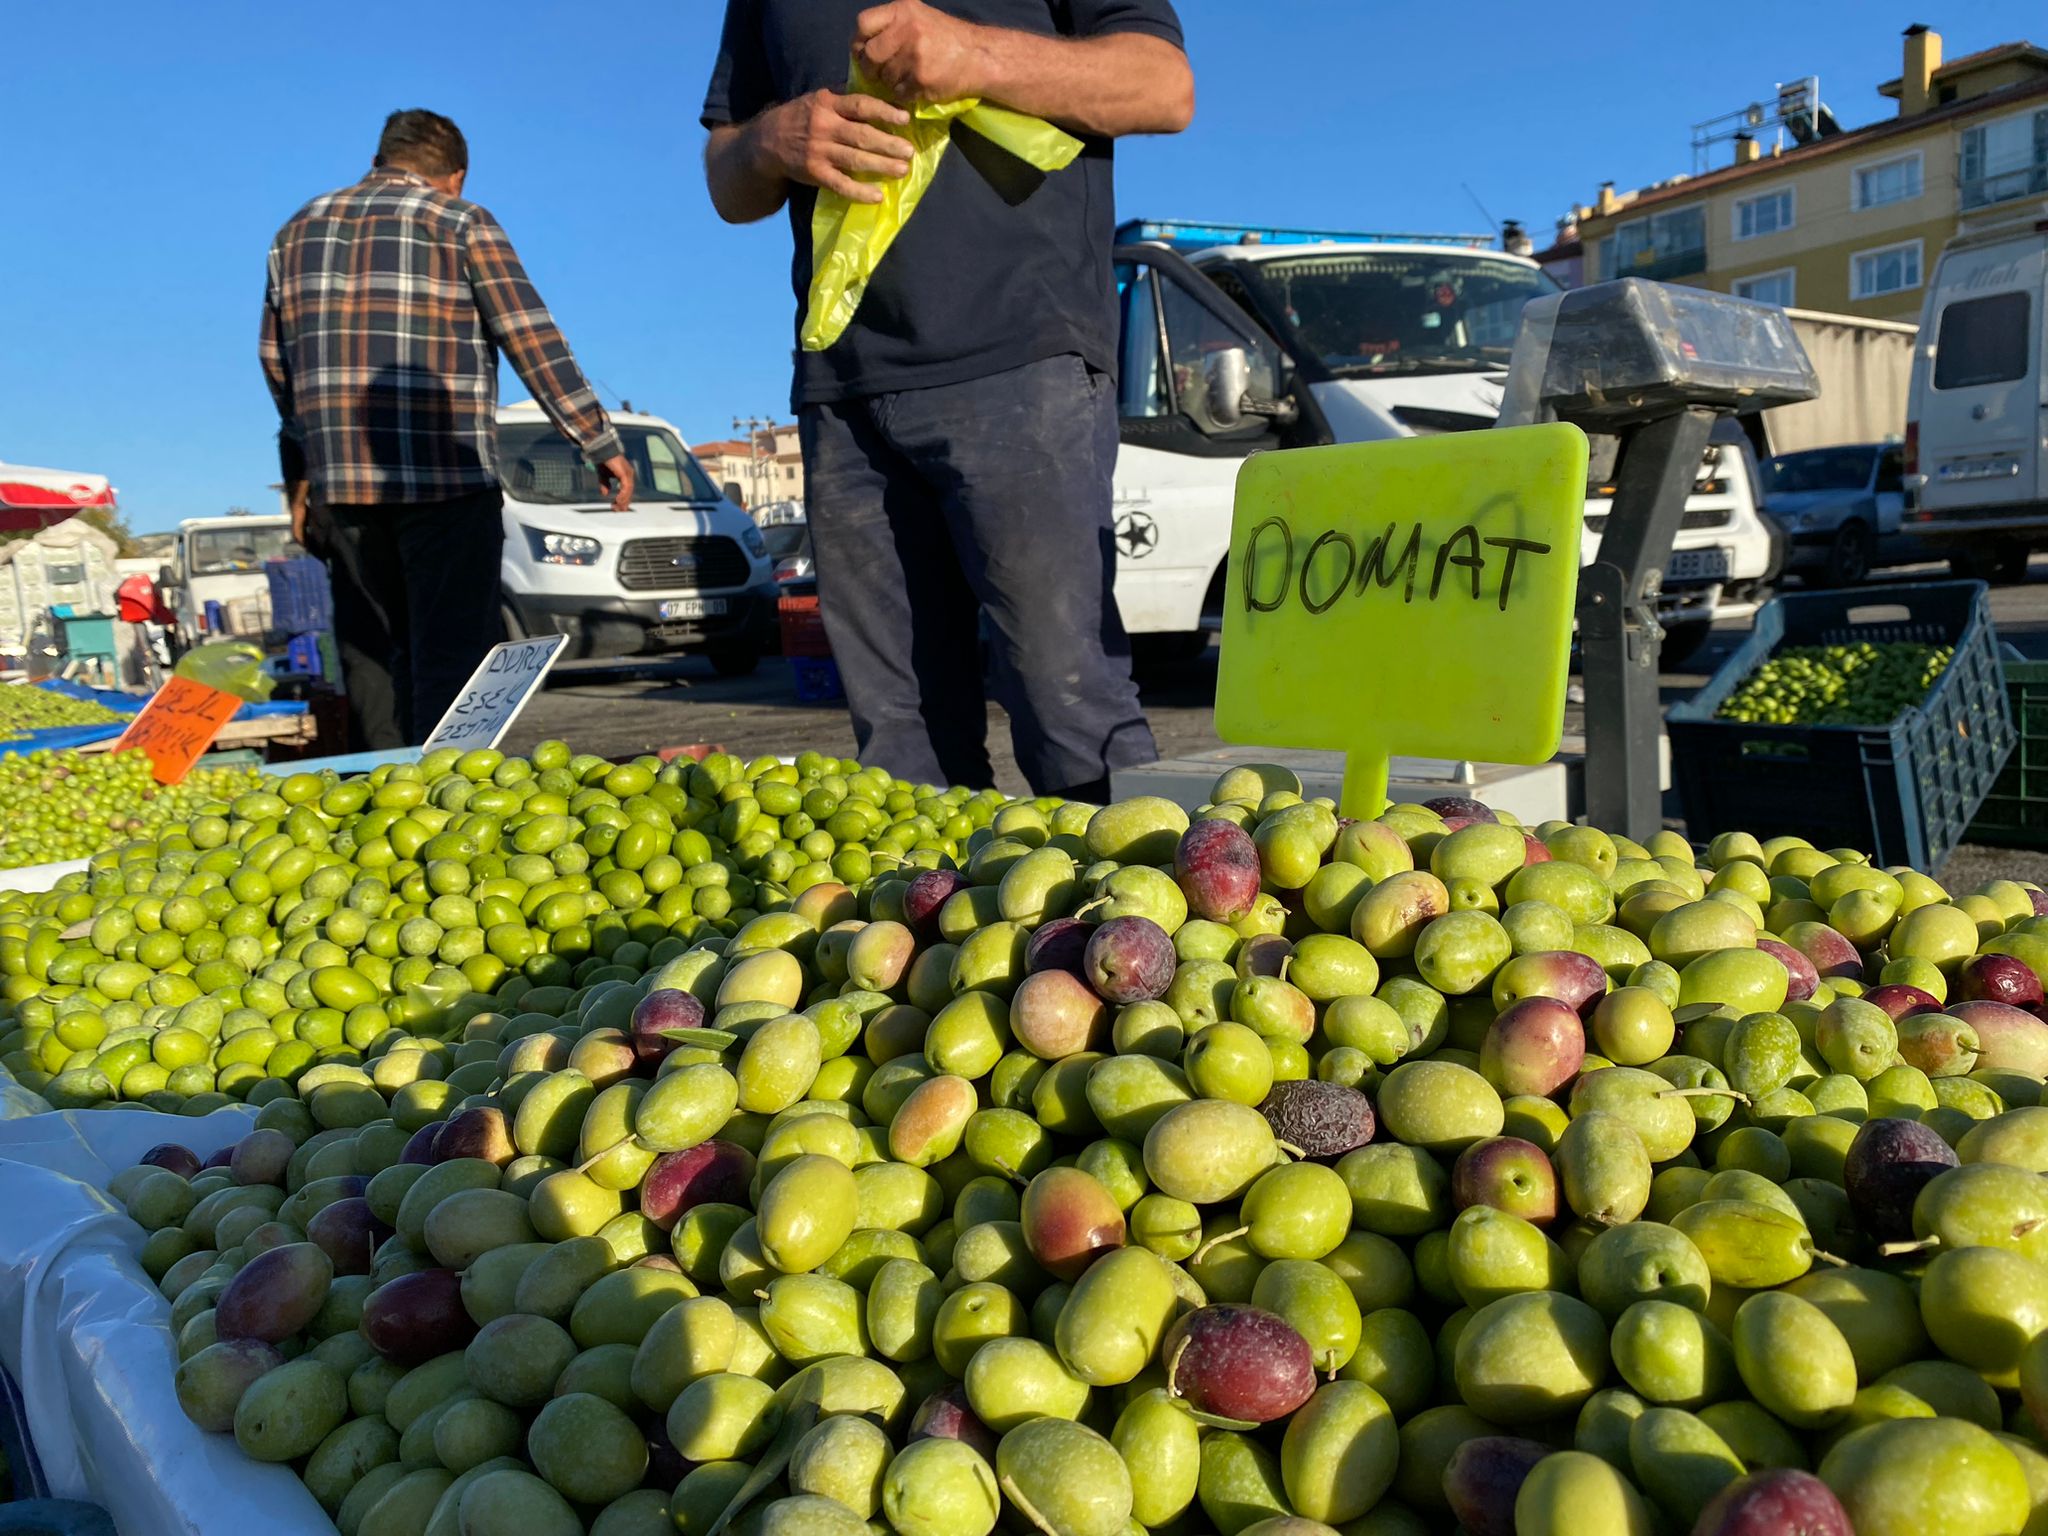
(562, 548)
(756, 545)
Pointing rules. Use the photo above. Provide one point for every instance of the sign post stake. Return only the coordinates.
(1364, 794)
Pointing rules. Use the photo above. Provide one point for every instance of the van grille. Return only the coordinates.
(682, 564)
(1694, 518)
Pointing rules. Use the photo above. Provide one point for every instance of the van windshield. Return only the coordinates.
(1819, 469)
(543, 468)
(1383, 312)
(228, 551)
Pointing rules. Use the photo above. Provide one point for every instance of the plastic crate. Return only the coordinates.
(2015, 813)
(817, 679)
(301, 599)
(1904, 792)
(803, 627)
(303, 656)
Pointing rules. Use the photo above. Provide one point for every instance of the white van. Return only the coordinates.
(1342, 338)
(682, 570)
(1977, 407)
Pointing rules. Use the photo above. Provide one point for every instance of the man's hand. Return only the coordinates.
(919, 53)
(824, 138)
(297, 495)
(615, 474)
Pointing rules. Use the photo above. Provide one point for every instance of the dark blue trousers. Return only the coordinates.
(932, 507)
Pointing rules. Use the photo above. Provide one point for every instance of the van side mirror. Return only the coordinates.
(1228, 376)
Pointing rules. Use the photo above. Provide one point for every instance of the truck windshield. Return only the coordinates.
(543, 468)
(1818, 469)
(228, 551)
(1382, 312)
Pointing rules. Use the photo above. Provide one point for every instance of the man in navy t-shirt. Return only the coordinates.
(958, 438)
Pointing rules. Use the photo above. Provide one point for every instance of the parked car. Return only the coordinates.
(1724, 556)
(682, 570)
(788, 539)
(1840, 510)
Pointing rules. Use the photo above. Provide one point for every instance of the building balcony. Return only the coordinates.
(1664, 266)
(2004, 186)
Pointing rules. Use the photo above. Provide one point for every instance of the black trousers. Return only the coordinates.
(415, 607)
(932, 507)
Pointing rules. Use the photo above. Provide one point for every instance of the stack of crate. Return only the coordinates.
(809, 652)
(302, 609)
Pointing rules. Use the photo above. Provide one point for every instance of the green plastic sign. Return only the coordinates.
(1412, 596)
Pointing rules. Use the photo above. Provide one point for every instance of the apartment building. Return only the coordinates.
(1846, 221)
(767, 465)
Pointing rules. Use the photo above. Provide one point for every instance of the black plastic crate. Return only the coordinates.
(2015, 813)
(1905, 792)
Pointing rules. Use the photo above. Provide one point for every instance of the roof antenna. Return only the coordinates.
(1480, 206)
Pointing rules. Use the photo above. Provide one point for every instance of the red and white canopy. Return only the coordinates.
(32, 498)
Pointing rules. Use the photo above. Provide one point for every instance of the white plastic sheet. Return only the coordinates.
(92, 1145)
(31, 878)
(16, 1102)
(86, 1336)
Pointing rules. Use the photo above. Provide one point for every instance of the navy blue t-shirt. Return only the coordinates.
(1000, 265)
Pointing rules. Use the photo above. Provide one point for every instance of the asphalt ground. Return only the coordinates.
(621, 708)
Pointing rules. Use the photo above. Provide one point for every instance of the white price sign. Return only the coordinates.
(495, 693)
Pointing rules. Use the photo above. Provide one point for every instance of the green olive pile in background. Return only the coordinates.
(1864, 684)
(58, 806)
(291, 928)
(1377, 1177)
(25, 708)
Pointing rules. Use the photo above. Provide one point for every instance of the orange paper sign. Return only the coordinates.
(177, 725)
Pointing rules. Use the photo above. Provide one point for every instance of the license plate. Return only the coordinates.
(693, 608)
(1697, 565)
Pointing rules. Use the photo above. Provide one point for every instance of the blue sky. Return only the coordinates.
(151, 150)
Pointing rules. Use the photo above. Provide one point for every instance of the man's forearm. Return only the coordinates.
(744, 187)
(1126, 82)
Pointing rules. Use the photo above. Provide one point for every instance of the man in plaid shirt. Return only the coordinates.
(388, 303)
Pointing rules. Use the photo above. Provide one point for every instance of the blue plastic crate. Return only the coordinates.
(1904, 792)
(301, 599)
(303, 655)
(817, 679)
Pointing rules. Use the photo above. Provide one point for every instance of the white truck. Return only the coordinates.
(1237, 339)
(1977, 411)
(215, 582)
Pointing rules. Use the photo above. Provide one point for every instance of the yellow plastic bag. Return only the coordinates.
(848, 239)
(232, 666)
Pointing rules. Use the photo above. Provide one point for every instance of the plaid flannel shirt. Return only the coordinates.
(388, 303)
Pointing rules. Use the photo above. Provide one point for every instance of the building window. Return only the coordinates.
(1889, 269)
(1896, 180)
(1766, 287)
(1663, 245)
(1765, 214)
(2005, 159)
